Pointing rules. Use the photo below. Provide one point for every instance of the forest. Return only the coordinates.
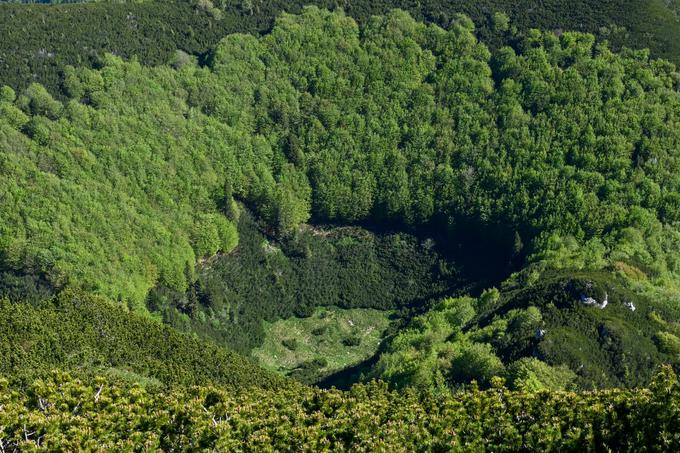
(40, 40)
(468, 225)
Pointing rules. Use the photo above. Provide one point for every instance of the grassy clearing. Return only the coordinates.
(330, 340)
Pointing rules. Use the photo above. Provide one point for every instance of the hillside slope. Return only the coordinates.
(388, 163)
(565, 150)
(40, 40)
(561, 153)
(87, 335)
(556, 332)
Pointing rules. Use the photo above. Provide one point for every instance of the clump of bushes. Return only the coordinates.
(668, 343)
(73, 414)
(319, 331)
(353, 340)
(290, 343)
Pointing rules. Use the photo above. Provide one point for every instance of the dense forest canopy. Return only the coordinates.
(39, 41)
(562, 150)
(567, 145)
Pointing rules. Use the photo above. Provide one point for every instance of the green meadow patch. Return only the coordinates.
(330, 340)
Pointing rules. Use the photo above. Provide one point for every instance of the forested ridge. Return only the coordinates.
(40, 40)
(567, 145)
(504, 201)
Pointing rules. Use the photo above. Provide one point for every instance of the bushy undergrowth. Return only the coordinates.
(555, 333)
(61, 412)
(78, 332)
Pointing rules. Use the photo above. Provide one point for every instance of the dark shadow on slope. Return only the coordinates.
(25, 287)
(344, 379)
(483, 254)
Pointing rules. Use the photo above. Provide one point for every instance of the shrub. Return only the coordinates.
(668, 343)
(352, 341)
(290, 343)
(530, 374)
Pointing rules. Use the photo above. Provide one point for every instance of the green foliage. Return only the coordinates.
(64, 413)
(78, 332)
(476, 361)
(213, 233)
(352, 341)
(32, 289)
(342, 338)
(500, 22)
(388, 127)
(266, 279)
(613, 346)
(292, 201)
(541, 336)
(290, 343)
(40, 40)
(566, 149)
(231, 210)
(668, 343)
(530, 374)
(38, 102)
(488, 300)
(128, 181)
(422, 355)
(112, 182)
